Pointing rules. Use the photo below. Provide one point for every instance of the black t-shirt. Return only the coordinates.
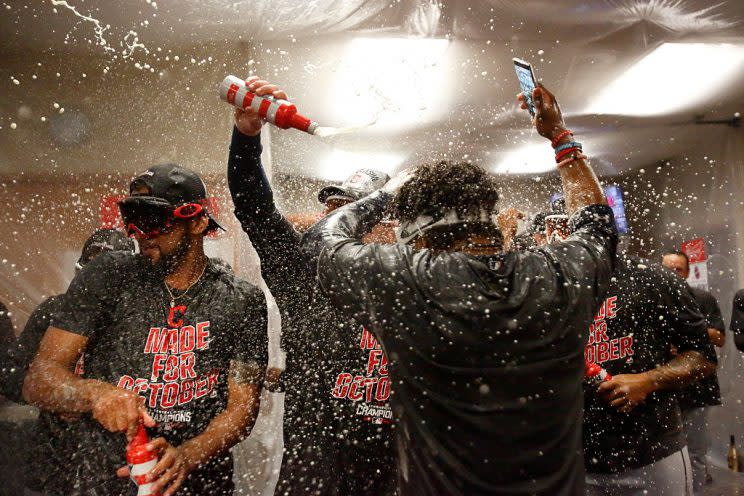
(707, 391)
(646, 312)
(486, 354)
(177, 361)
(737, 319)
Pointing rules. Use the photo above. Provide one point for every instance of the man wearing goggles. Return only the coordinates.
(171, 340)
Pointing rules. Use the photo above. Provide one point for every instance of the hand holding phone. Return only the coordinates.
(527, 81)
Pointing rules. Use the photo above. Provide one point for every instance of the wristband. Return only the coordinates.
(566, 146)
(570, 160)
(565, 153)
(560, 136)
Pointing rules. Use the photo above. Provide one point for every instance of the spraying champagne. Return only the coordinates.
(281, 113)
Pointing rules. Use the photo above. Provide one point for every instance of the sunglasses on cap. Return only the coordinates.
(148, 217)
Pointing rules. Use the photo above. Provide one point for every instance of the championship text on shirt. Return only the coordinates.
(373, 386)
(600, 348)
(173, 380)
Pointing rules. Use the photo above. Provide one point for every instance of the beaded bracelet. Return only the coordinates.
(566, 146)
(560, 136)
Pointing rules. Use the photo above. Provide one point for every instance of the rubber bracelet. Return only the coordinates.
(566, 146)
(570, 160)
(560, 136)
(565, 153)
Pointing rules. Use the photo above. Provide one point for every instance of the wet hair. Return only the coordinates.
(679, 254)
(438, 188)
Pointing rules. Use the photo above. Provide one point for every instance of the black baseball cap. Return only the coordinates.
(173, 185)
(104, 240)
(357, 186)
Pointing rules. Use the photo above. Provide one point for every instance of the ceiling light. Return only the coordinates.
(673, 77)
(531, 158)
(395, 83)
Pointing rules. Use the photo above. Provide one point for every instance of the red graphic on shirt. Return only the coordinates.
(371, 390)
(173, 380)
(179, 310)
(600, 347)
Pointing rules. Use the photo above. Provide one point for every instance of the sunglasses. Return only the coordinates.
(150, 217)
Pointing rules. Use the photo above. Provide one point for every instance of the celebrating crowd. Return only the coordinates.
(446, 357)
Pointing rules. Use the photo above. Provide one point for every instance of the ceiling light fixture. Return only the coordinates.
(672, 78)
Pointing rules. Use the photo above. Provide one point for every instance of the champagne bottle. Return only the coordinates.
(594, 374)
(733, 456)
(140, 462)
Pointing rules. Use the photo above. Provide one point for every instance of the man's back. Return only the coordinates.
(486, 357)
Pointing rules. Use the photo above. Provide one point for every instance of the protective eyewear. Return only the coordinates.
(148, 217)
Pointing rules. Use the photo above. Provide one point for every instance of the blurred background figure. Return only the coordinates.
(696, 400)
(38, 440)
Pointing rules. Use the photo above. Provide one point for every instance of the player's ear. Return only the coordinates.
(199, 225)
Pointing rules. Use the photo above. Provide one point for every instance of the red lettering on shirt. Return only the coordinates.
(341, 389)
(368, 341)
(202, 335)
(383, 389)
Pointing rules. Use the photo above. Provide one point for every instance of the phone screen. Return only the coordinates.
(526, 82)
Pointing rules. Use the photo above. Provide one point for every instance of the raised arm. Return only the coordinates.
(274, 238)
(580, 185)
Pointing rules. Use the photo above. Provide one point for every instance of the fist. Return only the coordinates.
(548, 118)
(118, 410)
(626, 391)
(248, 121)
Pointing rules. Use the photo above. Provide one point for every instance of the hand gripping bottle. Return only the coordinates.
(281, 113)
(140, 462)
(594, 375)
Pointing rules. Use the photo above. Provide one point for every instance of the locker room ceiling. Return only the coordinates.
(419, 79)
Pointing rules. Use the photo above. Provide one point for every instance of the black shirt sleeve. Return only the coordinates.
(275, 240)
(21, 353)
(251, 337)
(587, 256)
(737, 319)
(679, 314)
(356, 276)
(711, 310)
(7, 330)
(89, 299)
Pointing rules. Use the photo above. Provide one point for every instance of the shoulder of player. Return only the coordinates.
(739, 297)
(235, 285)
(48, 306)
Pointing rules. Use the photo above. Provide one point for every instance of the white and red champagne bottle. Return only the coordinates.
(281, 113)
(594, 374)
(141, 461)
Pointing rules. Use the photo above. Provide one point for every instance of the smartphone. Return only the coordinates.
(527, 81)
